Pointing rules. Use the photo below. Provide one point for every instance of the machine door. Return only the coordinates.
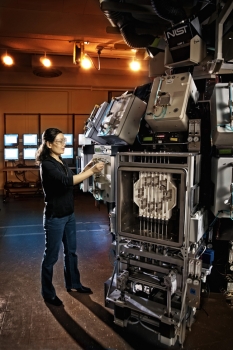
(151, 204)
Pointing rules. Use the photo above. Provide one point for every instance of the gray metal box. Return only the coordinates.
(166, 110)
(198, 226)
(221, 115)
(221, 176)
(121, 123)
(93, 123)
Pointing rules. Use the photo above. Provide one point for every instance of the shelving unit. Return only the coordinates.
(17, 188)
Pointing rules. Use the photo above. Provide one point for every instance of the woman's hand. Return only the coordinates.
(97, 167)
(88, 172)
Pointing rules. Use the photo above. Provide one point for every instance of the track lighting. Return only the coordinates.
(45, 61)
(78, 52)
(86, 62)
(82, 58)
(135, 65)
(7, 60)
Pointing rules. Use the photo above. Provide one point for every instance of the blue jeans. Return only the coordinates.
(57, 231)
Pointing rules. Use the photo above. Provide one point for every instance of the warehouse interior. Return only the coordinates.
(154, 228)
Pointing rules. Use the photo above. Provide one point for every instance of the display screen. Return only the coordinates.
(11, 140)
(11, 154)
(224, 151)
(30, 139)
(29, 153)
(68, 153)
(70, 139)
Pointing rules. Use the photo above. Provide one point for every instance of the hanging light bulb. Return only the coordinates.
(7, 60)
(85, 62)
(135, 65)
(45, 61)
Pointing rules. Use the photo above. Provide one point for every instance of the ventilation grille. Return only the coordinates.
(47, 73)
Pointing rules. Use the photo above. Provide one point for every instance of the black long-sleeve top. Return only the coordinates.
(57, 184)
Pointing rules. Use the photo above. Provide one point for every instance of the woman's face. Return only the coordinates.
(57, 147)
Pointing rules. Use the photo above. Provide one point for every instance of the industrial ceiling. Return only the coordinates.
(110, 28)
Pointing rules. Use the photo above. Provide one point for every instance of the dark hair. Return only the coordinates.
(43, 151)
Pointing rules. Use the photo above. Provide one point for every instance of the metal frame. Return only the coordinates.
(142, 262)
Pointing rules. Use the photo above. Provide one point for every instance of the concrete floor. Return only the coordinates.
(27, 323)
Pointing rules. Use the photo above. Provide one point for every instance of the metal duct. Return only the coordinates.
(132, 38)
(129, 26)
(169, 10)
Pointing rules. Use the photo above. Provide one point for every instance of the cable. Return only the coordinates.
(20, 173)
(162, 114)
(216, 217)
(198, 256)
(133, 322)
(150, 329)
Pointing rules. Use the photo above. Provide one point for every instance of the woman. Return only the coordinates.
(59, 221)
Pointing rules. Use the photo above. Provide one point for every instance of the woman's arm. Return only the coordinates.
(87, 172)
(90, 164)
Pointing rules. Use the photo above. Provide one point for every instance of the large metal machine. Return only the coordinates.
(167, 188)
(158, 271)
(158, 221)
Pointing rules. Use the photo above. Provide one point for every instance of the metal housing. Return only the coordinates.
(157, 276)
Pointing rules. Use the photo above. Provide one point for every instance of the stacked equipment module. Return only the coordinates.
(158, 272)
